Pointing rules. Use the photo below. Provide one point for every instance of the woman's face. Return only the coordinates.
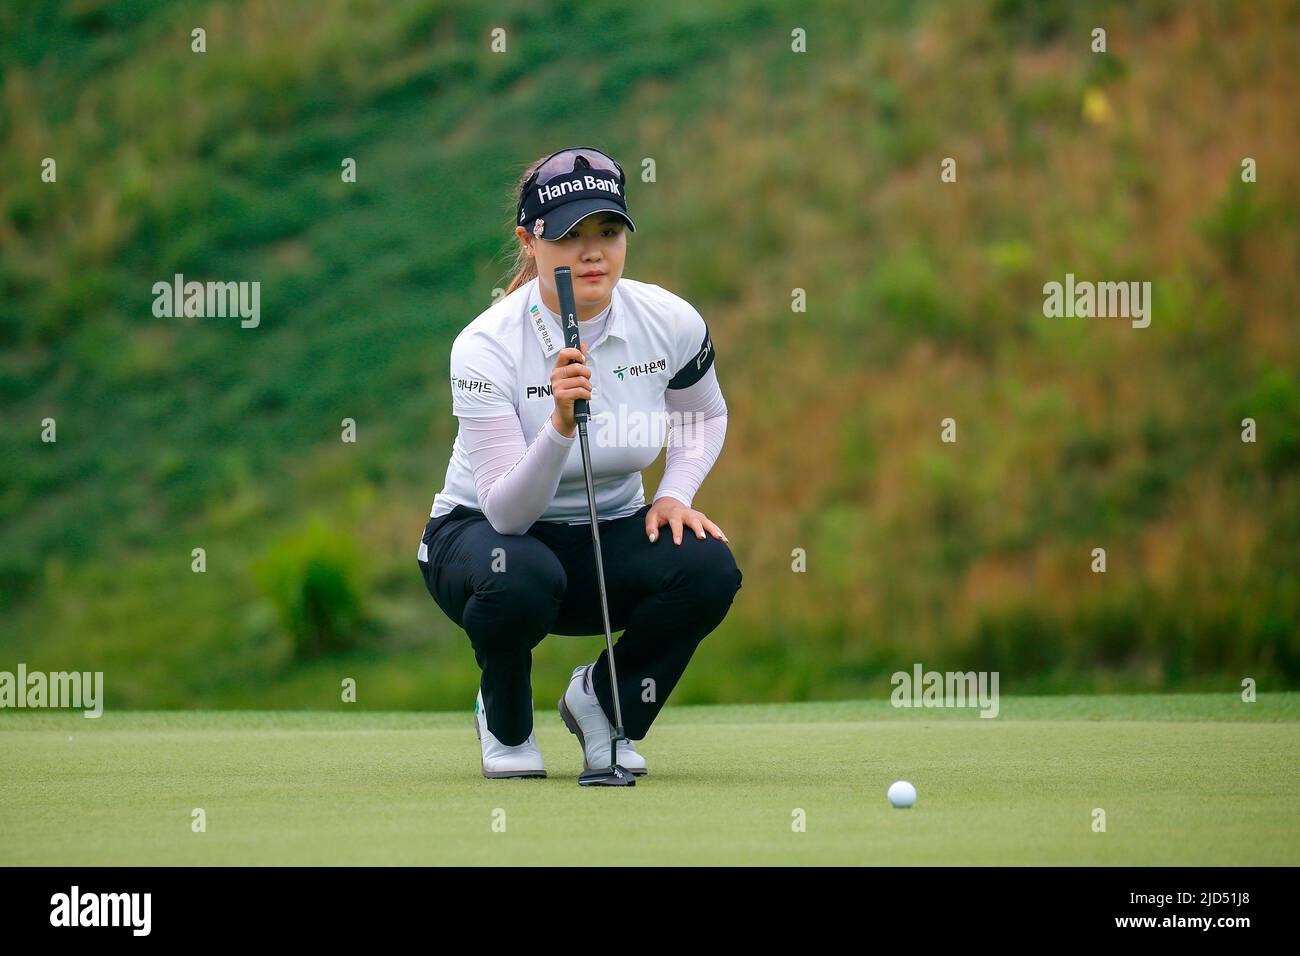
(597, 245)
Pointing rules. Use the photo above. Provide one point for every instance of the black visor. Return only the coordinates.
(568, 187)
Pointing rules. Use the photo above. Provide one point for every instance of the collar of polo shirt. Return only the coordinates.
(552, 339)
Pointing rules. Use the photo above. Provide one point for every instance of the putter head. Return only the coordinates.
(614, 776)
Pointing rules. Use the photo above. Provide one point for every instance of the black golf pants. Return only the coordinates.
(509, 591)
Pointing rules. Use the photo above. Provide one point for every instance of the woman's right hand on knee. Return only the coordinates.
(570, 381)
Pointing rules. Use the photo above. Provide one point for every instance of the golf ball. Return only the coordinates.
(902, 794)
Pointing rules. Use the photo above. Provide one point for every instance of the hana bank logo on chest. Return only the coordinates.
(645, 368)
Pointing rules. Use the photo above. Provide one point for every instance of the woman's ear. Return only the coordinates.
(524, 238)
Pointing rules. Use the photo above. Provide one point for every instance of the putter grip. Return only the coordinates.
(569, 319)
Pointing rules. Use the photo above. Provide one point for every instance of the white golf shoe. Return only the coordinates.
(522, 760)
(583, 715)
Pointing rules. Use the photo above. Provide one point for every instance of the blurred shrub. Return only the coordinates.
(915, 299)
(1274, 403)
(1107, 631)
(1038, 21)
(313, 579)
(1235, 219)
(19, 577)
(1017, 640)
(1104, 69)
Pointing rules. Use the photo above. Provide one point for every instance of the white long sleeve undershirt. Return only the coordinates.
(694, 439)
(516, 480)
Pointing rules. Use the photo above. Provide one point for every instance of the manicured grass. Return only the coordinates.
(773, 171)
(1186, 779)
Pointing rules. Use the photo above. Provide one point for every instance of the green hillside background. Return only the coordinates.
(775, 171)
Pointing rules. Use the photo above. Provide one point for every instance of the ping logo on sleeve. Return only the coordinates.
(694, 370)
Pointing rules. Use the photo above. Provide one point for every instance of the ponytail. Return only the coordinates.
(524, 265)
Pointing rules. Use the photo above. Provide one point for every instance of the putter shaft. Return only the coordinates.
(604, 603)
(581, 412)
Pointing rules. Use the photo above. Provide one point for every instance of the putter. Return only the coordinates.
(613, 775)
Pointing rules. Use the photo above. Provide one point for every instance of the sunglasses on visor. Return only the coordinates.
(570, 160)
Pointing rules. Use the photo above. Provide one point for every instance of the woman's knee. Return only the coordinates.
(711, 573)
(523, 583)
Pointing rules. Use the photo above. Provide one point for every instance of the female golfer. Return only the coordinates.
(507, 552)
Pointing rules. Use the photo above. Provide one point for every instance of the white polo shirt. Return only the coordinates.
(501, 364)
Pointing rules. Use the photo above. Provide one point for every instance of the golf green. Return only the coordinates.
(1182, 779)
